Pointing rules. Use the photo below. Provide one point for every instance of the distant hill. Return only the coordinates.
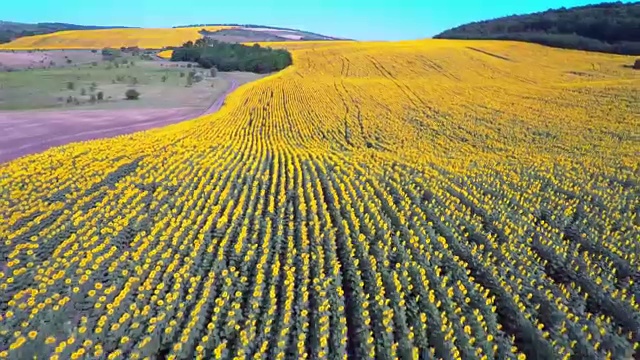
(260, 33)
(607, 27)
(231, 33)
(12, 30)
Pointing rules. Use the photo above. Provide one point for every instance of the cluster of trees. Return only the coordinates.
(232, 57)
(607, 27)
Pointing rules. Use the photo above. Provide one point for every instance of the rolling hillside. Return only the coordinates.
(606, 27)
(96, 39)
(156, 38)
(12, 30)
(419, 199)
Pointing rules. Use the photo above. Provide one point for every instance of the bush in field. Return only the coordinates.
(110, 54)
(132, 94)
(71, 85)
(100, 96)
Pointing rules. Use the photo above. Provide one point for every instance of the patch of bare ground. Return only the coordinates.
(33, 131)
(35, 59)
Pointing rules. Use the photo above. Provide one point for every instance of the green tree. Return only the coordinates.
(132, 94)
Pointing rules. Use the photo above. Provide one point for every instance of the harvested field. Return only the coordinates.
(28, 132)
(20, 60)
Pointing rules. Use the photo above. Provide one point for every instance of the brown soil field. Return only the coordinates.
(28, 132)
(20, 60)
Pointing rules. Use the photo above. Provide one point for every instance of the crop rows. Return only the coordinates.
(372, 201)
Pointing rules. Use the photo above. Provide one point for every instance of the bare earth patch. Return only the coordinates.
(28, 132)
(20, 60)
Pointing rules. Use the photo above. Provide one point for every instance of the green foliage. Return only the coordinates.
(100, 96)
(110, 53)
(132, 94)
(234, 57)
(71, 85)
(607, 27)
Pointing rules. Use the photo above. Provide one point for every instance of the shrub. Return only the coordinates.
(109, 53)
(100, 96)
(181, 74)
(92, 98)
(71, 85)
(83, 92)
(69, 61)
(164, 78)
(132, 94)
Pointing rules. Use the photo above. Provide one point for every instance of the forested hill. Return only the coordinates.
(12, 30)
(606, 27)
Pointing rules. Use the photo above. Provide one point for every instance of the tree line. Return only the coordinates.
(607, 27)
(232, 57)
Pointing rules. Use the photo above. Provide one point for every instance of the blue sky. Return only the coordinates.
(357, 19)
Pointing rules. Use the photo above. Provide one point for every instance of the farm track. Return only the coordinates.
(277, 228)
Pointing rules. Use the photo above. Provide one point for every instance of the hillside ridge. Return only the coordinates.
(10, 30)
(612, 27)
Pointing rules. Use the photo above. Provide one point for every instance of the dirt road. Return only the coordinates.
(29, 132)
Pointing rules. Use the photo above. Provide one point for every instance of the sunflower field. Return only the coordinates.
(430, 199)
